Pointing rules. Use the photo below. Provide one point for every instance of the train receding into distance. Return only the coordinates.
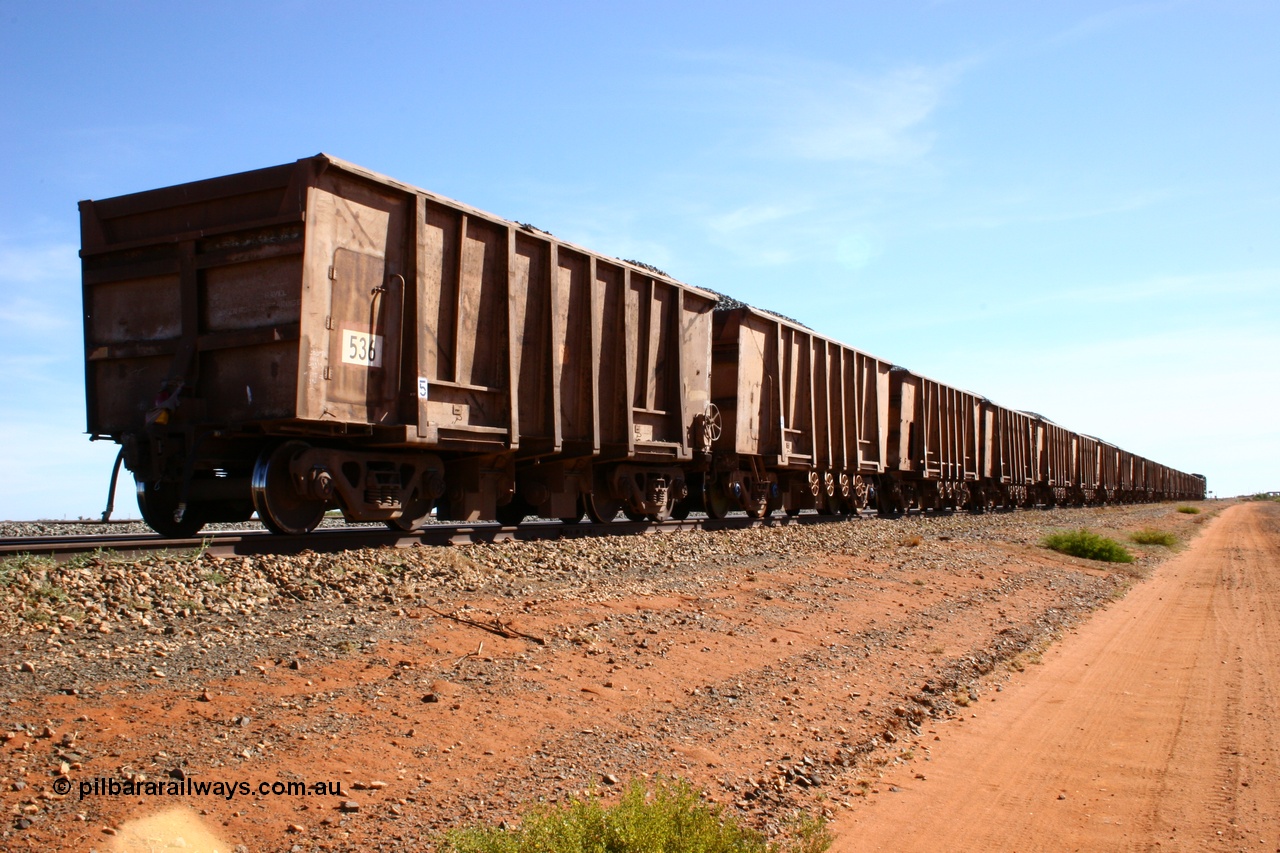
(314, 336)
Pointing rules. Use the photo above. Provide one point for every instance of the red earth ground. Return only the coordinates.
(1151, 727)
(899, 679)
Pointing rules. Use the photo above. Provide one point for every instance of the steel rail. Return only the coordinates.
(333, 540)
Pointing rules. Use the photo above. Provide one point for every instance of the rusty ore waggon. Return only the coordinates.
(798, 421)
(314, 335)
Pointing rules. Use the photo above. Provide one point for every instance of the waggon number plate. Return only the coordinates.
(361, 348)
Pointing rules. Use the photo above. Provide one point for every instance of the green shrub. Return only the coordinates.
(1189, 510)
(16, 564)
(1151, 536)
(669, 817)
(1090, 546)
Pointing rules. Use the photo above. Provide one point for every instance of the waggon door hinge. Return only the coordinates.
(333, 273)
(328, 372)
(328, 321)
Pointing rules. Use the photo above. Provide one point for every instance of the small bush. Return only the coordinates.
(669, 817)
(1151, 536)
(11, 567)
(1090, 546)
(1189, 510)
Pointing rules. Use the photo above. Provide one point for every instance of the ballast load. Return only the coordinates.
(315, 336)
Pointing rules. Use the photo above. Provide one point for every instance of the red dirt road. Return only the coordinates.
(1152, 727)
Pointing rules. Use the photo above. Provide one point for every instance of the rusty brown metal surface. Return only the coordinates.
(414, 353)
(318, 299)
(799, 404)
(934, 429)
(1008, 446)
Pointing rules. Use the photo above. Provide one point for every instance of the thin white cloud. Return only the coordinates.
(39, 264)
(798, 109)
(752, 216)
(850, 117)
(1024, 206)
(30, 316)
(1110, 19)
(788, 154)
(1162, 290)
(39, 297)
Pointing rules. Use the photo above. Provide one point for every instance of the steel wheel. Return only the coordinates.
(715, 500)
(861, 492)
(602, 510)
(280, 507)
(157, 503)
(512, 513)
(412, 515)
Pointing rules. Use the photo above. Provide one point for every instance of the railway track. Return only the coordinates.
(332, 540)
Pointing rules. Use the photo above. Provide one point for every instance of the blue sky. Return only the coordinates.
(1072, 208)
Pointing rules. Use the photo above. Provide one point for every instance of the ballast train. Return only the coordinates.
(314, 336)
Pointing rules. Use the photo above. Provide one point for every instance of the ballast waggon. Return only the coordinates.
(316, 336)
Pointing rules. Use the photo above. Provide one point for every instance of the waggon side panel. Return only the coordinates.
(198, 285)
(747, 413)
(1025, 455)
(605, 360)
(462, 332)
(824, 439)
(1108, 466)
(654, 310)
(934, 428)
(533, 327)
(782, 378)
(1089, 451)
(574, 354)
(992, 442)
(353, 293)
(695, 317)
(873, 414)
(903, 405)
(796, 399)
(844, 429)
(613, 378)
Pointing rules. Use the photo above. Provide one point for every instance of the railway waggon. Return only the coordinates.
(314, 336)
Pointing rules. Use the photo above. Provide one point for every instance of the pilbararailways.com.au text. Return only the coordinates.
(226, 789)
